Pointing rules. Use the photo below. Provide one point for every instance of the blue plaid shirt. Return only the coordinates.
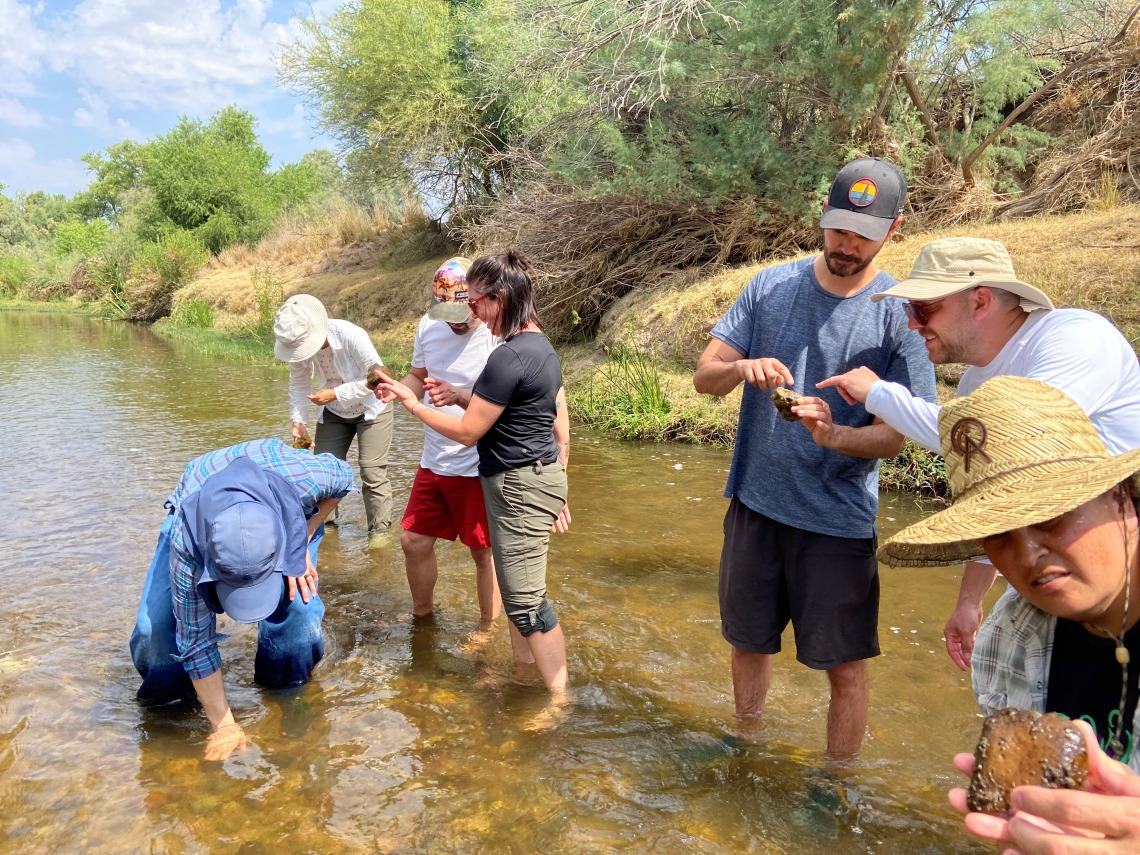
(315, 476)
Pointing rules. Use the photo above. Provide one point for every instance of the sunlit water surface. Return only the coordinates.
(405, 740)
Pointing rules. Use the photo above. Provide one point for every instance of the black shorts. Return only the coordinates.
(828, 587)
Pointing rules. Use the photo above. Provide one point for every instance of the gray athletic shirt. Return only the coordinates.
(777, 469)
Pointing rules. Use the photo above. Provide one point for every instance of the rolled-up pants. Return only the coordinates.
(289, 643)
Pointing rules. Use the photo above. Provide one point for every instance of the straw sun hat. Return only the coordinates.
(1018, 452)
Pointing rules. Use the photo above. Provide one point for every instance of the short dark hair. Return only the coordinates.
(507, 278)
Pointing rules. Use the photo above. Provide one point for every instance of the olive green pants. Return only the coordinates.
(373, 439)
(522, 504)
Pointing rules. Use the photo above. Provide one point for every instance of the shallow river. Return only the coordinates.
(405, 740)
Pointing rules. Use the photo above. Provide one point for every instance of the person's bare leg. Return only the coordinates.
(486, 584)
(520, 650)
(751, 677)
(549, 652)
(422, 570)
(847, 713)
(490, 602)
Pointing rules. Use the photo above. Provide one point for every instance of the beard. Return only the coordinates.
(845, 265)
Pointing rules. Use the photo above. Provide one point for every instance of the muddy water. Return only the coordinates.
(406, 740)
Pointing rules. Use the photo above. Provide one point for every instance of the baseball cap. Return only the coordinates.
(449, 292)
(244, 559)
(866, 197)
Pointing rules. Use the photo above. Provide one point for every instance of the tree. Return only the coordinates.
(210, 179)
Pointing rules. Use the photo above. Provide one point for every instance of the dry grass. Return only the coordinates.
(378, 282)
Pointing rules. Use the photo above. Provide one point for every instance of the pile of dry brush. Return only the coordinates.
(592, 251)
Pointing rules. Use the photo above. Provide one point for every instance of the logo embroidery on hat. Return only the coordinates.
(968, 438)
(862, 193)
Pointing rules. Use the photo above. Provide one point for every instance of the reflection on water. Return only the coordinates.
(404, 742)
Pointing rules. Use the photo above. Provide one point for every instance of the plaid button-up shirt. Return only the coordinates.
(1011, 661)
(315, 477)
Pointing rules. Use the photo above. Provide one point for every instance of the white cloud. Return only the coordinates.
(13, 112)
(21, 169)
(293, 125)
(22, 47)
(95, 117)
(185, 56)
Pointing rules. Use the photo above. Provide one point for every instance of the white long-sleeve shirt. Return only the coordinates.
(1079, 352)
(352, 355)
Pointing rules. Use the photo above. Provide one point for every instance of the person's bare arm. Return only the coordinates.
(414, 380)
(228, 735)
(962, 627)
(877, 439)
(721, 368)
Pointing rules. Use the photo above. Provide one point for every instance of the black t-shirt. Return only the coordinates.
(1084, 678)
(523, 375)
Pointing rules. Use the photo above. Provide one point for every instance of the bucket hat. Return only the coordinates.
(1018, 452)
(449, 292)
(950, 265)
(866, 197)
(301, 327)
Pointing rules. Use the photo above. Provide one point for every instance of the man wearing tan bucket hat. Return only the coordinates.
(967, 303)
(339, 355)
(1044, 499)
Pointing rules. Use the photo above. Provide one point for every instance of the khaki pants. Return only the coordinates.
(521, 505)
(373, 439)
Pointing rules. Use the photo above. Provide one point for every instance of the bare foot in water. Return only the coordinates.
(475, 641)
(554, 714)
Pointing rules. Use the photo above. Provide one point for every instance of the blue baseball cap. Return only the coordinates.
(243, 571)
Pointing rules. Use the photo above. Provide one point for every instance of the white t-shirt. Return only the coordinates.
(458, 359)
(1079, 352)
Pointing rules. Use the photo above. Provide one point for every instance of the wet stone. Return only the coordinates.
(1020, 747)
(785, 399)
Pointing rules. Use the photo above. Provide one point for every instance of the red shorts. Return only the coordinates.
(447, 506)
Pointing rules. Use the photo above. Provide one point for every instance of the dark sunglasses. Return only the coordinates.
(920, 312)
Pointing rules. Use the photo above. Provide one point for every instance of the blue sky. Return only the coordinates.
(78, 76)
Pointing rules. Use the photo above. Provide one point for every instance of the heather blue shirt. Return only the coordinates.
(777, 469)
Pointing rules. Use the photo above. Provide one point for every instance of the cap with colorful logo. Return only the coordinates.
(449, 292)
(867, 196)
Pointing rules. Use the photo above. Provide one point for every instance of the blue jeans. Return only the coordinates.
(289, 641)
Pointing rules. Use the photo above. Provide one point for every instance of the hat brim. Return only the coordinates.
(253, 603)
(864, 225)
(308, 347)
(452, 313)
(1004, 503)
(921, 289)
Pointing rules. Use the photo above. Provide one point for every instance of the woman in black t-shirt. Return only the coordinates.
(517, 415)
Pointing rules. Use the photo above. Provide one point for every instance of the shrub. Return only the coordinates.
(80, 239)
(195, 313)
(15, 274)
(629, 399)
(268, 294)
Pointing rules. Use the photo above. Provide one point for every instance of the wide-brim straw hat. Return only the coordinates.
(1018, 452)
(951, 265)
(301, 328)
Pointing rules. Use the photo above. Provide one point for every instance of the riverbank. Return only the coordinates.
(634, 378)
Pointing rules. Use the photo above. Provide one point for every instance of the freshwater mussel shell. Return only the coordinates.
(785, 399)
(1020, 747)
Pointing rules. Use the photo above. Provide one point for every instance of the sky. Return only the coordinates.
(76, 77)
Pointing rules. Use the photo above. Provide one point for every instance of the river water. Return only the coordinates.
(406, 740)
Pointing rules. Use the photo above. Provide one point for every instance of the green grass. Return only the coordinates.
(235, 345)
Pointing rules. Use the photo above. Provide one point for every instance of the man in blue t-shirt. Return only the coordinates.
(800, 539)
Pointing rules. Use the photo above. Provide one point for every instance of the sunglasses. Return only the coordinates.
(474, 301)
(920, 312)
